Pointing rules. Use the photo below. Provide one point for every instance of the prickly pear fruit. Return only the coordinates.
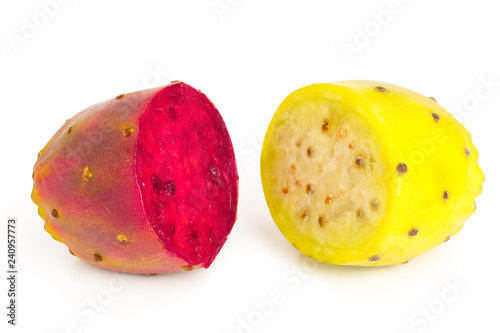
(367, 173)
(145, 182)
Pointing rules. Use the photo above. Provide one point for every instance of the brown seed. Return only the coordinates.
(70, 129)
(360, 163)
(351, 146)
(380, 88)
(310, 152)
(298, 183)
(360, 214)
(292, 169)
(321, 221)
(33, 175)
(127, 131)
(97, 257)
(407, 261)
(329, 199)
(71, 252)
(309, 189)
(55, 213)
(186, 268)
(324, 128)
(474, 206)
(375, 258)
(413, 232)
(435, 116)
(467, 152)
(152, 274)
(446, 195)
(340, 134)
(284, 190)
(298, 144)
(86, 174)
(122, 238)
(120, 96)
(373, 205)
(433, 99)
(304, 215)
(447, 239)
(402, 168)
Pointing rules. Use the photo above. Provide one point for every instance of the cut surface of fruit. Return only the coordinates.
(183, 172)
(328, 173)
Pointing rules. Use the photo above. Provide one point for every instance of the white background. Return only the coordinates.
(247, 59)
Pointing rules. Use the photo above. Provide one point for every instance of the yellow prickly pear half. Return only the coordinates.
(145, 182)
(367, 173)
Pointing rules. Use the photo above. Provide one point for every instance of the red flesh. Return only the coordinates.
(186, 173)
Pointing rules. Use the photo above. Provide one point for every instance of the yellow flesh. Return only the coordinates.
(384, 125)
(328, 173)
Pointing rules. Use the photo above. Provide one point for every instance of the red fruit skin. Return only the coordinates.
(87, 191)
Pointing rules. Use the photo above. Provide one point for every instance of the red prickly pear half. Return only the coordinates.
(143, 183)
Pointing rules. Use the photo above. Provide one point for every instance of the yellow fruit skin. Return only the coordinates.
(435, 151)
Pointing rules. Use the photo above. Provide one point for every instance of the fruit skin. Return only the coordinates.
(87, 189)
(426, 205)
